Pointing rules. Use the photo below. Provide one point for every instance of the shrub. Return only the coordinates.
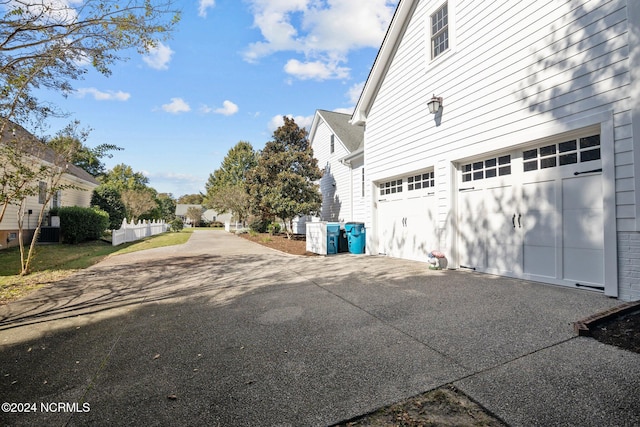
(273, 228)
(79, 224)
(109, 200)
(259, 226)
(177, 225)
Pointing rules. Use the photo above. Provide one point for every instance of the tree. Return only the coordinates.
(194, 215)
(166, 206)
(48, 44)
(109, 200)
(226, 187)
(84, 157)
(20, 167)
(122, 177)
(138, 202)
(50, 165)
(283, 182)
(191, 199)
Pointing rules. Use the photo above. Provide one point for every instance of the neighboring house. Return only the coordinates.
(338, 147)
(531, 166)
(80, 195)
(212, 216)
(208, 215)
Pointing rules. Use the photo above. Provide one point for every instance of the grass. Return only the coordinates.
(55, 262)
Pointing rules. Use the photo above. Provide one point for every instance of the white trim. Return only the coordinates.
(633, 42)
(607, 139)
(399, 23)
(451, 9)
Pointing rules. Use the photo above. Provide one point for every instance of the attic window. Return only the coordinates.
(440, 31)
(333, 143)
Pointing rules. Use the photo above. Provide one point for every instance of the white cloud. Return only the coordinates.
(315, 70)
(228, 109)
(176, 106)
(159, 57)
(203, 5)
(301, 121)
(354, 92)
(324, 32)
(99, 95)
(60, 11)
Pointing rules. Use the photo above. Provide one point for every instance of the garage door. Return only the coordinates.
(535, 214)
(406, 217)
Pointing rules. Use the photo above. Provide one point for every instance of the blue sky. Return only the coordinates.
(231, 71)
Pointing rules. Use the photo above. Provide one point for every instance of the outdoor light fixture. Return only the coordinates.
(434, 104)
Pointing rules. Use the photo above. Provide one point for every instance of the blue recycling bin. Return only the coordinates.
(333, 234)
(356, 237)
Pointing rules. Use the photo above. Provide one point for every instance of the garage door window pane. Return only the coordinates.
(568, 159)
(391, 187)
(549, 150)
(505, 168)
(590, 141)
(549, 162)
(418, 182)
(589, 155)
(563, 147)
(564, 153)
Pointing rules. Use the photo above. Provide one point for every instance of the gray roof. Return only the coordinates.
(181, 209)
(31, 144)
(351, 136)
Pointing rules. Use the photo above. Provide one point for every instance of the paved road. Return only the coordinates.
(221, 331)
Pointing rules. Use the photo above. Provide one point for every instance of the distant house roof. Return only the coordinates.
(15, 132)
(181, 209)
(352, 137)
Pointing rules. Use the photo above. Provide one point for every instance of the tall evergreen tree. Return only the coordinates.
(283, 183)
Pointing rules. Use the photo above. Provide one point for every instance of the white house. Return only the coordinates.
(338, 147)
(208, 215)
(79, 186)
(530, 166)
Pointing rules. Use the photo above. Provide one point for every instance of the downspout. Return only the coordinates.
(347, 163)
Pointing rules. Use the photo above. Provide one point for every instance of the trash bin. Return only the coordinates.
(356, 237)
(343, 243)
(333, 234)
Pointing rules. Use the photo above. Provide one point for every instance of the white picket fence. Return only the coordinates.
(130, 232)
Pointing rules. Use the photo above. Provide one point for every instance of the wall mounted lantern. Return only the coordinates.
(434, 104)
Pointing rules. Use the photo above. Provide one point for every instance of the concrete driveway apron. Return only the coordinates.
(221, 331)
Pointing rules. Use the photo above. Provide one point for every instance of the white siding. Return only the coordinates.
(358, 201)
(335, 184)
(80, 196)
(501, 78)
(516, 71)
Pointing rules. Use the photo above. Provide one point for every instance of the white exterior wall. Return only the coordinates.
(335, 184)
(80, 196)
(516, 72)
(359, 211)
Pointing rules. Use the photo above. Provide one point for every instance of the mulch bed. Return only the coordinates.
(297, 245)
(622, 331)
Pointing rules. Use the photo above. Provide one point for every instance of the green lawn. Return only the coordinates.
(55, 262)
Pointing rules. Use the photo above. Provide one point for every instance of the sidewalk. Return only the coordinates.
(221, 331)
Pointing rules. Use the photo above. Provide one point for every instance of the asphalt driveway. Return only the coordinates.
(221, 331)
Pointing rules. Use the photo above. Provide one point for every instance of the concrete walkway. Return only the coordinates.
(221, 331)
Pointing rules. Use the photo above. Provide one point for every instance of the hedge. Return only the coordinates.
(79, 224)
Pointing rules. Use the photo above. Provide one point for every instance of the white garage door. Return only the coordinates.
(406, 217)
(536, 214)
